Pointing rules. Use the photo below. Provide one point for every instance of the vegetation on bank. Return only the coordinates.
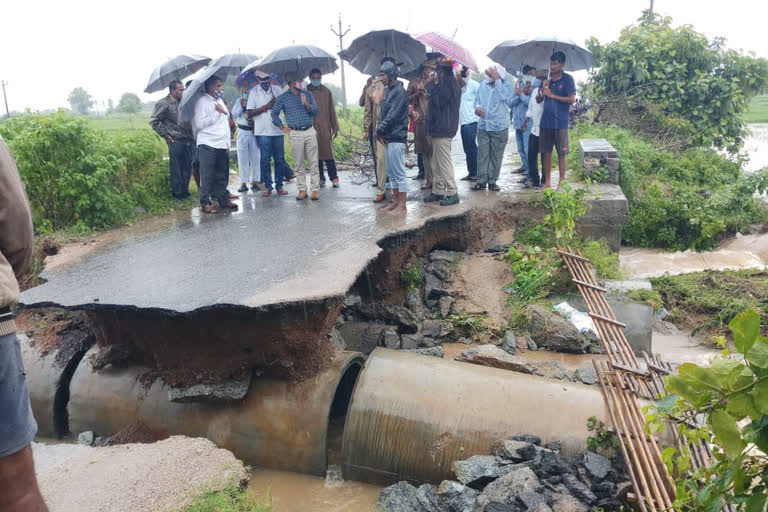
(730, 399)
(758, 110)
(232, 499)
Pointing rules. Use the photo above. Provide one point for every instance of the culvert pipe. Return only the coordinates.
(280, 425)
(412, 415)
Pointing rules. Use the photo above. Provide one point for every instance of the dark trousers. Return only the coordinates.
(214, 174)
(331, 164)
(372, 146)
(180, 167)
(533, 159)
(272, 148)
(420, 163)
(469, 141)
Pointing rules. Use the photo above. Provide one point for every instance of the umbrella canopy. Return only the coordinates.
(233, 63)
(365, 52)
(249, 79)
(178, 68)
(296, 60)
(195, 90)
(536, 52)
(448, 47)
(410, 75)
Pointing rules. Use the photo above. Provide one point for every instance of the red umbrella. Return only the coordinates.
(448, 47)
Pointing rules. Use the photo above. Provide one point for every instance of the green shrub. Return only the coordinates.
(686, 200)
(232, 499)
(411, 277)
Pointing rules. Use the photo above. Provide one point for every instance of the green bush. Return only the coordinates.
(81, 178)
(232, 499)
(411, 277)
(679, 200)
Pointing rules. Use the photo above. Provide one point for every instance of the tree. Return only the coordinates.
(679, 81)
(110, 106)
(80, 101)
(730, 396)
(130, 104)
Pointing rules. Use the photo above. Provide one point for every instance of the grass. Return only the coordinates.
(231, 499)
(706, 302)
(411, 277)
(122, 123)
(758, 110)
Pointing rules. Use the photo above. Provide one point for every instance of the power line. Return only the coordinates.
(341, 35)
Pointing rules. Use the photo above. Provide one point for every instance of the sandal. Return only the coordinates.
(230, 206)
(208, 209)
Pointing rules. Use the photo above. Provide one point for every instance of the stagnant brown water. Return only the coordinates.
(292, 492)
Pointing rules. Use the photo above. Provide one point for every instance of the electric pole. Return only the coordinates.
(7, 112)
(650, 13)
(341, 35)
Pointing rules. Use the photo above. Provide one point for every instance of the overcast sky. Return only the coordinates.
(49, 47)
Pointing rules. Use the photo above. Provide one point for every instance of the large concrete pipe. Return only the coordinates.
(411, 416)
(278, 425)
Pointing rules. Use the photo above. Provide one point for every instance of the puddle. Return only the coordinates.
(292, 492)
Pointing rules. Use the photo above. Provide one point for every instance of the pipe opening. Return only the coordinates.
(61, 399)
(338, 413)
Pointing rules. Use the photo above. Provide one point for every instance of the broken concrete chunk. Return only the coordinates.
(430, 351)
(86, 438)
(447, 256)
(489, 355)
(222, 392)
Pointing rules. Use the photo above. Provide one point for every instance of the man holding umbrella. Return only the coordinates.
(558, 94)
(165, 121)
(300, 111)
(270, 139)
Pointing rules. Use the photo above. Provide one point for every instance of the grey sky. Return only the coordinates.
(49, 47)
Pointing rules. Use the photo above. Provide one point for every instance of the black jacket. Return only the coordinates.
(444, 103)
(393, 118)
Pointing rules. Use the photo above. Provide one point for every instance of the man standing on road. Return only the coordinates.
(213, 143)
(392, 133)
(165, 121)
(519, 109)
(374, 95)
(269, 137)
(442, 125)
(18, 486)
(492, 107)
(248, 157)
(418, 97)
(558, 94)
(468, 120)
(326, 126)
(300, 112)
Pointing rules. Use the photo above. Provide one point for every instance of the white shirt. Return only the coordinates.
(262, 123)
(535, 110)
(212, 126)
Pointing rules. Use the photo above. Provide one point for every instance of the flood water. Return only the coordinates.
(756, 146)
(292, 492)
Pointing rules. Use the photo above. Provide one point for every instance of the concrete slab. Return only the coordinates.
(273, 250)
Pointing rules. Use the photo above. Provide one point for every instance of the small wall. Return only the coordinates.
(599, 160)
(607, 212)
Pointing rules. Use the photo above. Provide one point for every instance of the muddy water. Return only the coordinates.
(292, 492)
(756, 146)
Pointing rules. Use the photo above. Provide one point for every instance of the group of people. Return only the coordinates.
(201, 147)
(437, 102)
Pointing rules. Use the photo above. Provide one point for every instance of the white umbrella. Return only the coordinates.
(513, 55)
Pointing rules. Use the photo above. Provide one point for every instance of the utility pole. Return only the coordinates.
(341, 35)
(7, 112)
(650, 13)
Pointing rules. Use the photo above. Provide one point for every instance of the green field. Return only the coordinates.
(758, 110)
(121, 122)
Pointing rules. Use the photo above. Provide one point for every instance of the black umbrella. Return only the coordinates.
(365, 52)
(178, 68)
(195, 90)
(233, 63)
(296, 60)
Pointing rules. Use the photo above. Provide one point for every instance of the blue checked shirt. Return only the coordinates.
(296, 116)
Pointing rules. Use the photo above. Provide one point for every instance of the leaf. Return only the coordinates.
(757, 355)
(680, 386)
(741, 406)
(760, 396)
(740, 377)
(756, 503)
(727, 433)
(746, 329)
(666, 403)
(700, 376)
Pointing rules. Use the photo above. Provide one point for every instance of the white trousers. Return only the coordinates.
(248, 156)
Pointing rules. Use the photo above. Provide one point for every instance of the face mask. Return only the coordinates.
(265, 85)
(219, 94)
(315, 83)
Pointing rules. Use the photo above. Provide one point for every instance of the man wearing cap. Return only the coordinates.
(300, 110)
(270, 139)
(519, 105)
(392, 131)
(558, 94)
(248, 157)
(492, 107)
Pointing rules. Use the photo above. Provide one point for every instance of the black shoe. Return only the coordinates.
(468, 177)
(449, 200)
(478, 186)
(494, 187)
(431, 198)
(243, 188)
(473, 178)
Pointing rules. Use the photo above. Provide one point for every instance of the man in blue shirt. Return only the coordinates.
(523, 89)
(300, 111)
(492, 107)
(558, 94)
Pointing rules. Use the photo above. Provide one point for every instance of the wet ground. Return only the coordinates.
(274, 249)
